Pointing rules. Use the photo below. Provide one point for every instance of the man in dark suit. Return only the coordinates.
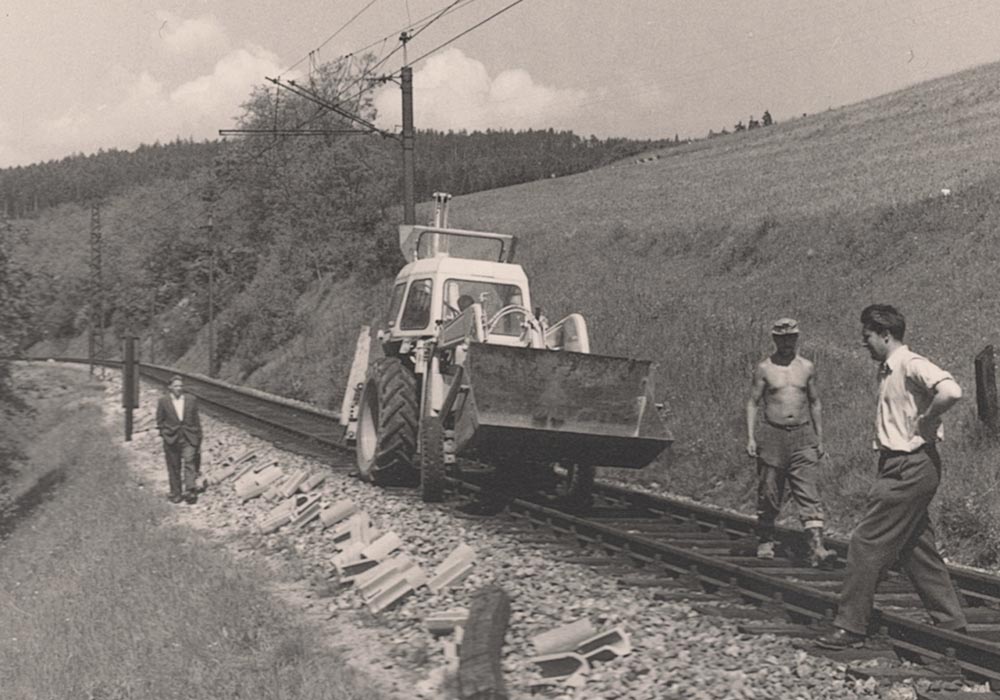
(179, 425)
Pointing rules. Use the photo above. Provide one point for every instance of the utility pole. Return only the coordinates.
(130, 381)
(96, 344)
(211, 299)
(409, 173)
(152, 328)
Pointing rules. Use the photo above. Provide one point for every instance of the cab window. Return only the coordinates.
(459, 294)
(417, 310)
(396, 302)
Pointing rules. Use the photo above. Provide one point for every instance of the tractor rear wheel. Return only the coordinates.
(387, 424)
(432, 467)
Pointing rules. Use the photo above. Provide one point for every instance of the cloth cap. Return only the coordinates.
(785, 326)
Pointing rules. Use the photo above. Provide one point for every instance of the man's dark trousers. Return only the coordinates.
(897, 527)
(182, 458)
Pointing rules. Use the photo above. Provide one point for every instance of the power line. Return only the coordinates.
(429, 18)
(330, 38)
(297, 89)
(461, 34)
(434, 17)
(448, 9)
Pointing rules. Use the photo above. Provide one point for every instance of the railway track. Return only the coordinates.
(650, 540)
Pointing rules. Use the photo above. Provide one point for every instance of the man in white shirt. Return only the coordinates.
(179, 424)
(913, 394)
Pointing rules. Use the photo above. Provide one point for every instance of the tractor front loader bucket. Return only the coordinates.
(557, 406)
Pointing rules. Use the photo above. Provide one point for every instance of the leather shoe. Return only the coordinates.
(174, 499)
(191, 498)
(841, 639)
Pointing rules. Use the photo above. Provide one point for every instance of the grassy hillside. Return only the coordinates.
(687, 259)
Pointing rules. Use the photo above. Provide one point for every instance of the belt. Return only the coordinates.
(904, 453)
(789, 428)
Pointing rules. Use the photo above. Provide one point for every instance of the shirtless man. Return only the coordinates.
(791, 440)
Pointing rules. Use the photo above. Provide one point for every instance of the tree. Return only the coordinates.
(15, 310)
(309, 208)
(14, 315)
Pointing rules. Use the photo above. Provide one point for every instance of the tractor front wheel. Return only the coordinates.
(387, 424)
(432, 467)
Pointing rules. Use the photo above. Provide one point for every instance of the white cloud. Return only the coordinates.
(454, 91)
(186, 36)
(149, 111)
(228, 86)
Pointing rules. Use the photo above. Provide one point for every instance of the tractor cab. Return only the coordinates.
(432, 292)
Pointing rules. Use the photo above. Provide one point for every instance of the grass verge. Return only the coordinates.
(101, 599)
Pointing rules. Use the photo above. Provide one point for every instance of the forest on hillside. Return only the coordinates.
(456, 162)
(263, 217)
(26, 190)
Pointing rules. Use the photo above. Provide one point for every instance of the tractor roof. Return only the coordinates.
(419, 242)
(465, 268)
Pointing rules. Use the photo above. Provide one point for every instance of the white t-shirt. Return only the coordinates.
(905, 390)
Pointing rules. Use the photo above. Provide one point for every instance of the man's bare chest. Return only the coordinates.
(778, 378)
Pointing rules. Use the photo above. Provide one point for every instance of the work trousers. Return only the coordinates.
(182, 466)
(897, 527)
(787, 457)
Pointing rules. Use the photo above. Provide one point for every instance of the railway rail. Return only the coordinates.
(657, 541)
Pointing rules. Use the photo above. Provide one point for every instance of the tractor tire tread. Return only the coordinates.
(397, 433)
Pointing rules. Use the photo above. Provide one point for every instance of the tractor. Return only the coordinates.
(470, 370)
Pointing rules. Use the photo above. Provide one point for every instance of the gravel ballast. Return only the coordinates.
(677, 652)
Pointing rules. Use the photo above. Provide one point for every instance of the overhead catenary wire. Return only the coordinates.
(409, 36)
(442, 45)
(330, 38)
(470, 29)
(418, 26)
(415, 26)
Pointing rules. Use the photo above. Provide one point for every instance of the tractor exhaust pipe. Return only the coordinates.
(438, 244)
(441, 209)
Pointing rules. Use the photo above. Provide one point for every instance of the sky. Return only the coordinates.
(83, 76)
